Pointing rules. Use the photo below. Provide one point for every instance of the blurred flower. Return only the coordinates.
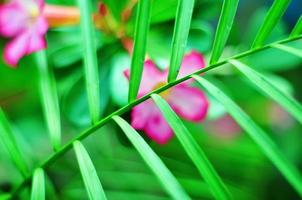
(280, 120)
(23, 21)
(188, 102)
(224, 127)
(104, 20)
(58, 16)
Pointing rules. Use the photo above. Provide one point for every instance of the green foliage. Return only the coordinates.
(139, 49)
(126, 108)
(297, 30)
(289, 49)
(9, 142)
(122, 174)
(92, 183)
(268, 147)
(90, 60)
(49, 99)
(196, 154)
(180, 36)
(225, 23)
(166, 178)
(38, 185)
(163, 10)
(273, 16)
(289, 103)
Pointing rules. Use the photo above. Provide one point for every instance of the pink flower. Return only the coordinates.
(23, 21)
(224, 127)
(188, 102)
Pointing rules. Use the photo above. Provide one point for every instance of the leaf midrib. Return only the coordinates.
(52, 158)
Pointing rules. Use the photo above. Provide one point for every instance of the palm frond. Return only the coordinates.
(269, 148)
(53, 157)
(8, 141)
(179, 41)
(272, 18)
(90, 60)
(180, 36)
(166, 178)
(49, 99)
(139, 50)
(92, 182)
(224, 27)
(291, 50)
(297, 30)
(260, 81)
(38, 185)
(196, 154)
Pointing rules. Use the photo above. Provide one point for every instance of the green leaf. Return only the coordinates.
(5, 196)
(163, 11)
(288, 49)
(89, 131)
(225, 23)
(38, 185)
(139, 49)
(90, 60)
(119, 95)
(272, 18)
(201, 36)
(9, 142)
(166, 178)
(268, 147)
(116, 7)
(91, 180)
(191, 147)
(49, 99)
(290, 104)
(253, 24)
(297, 30)
(263, 60)
(180, 36)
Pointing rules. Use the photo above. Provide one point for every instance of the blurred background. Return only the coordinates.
(239, 161)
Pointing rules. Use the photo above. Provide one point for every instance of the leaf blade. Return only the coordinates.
(38, 185)
(156, 165)
(297, 30)
(90, 60)
(140, 39)
(91, 180)
(268, 147)
(273, 16)
(9, 142)
(49, 99)
(289, 103)
(180, 36)
(196, 154)
(288, 49)
(225, 23)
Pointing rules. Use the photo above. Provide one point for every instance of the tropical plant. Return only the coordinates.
(209, 181)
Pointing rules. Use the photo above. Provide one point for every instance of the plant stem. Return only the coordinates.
(52, 158)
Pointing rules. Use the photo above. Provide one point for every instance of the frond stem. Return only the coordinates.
(52, 158)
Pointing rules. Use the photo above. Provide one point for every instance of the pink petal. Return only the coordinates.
(35, 43)
(224, 127)
(16, 49)
(140, 114)
(37, 33)
(41, 26)
(151, 77)
(158, 129)
(40, 3)
(190, 103)
(148, 117)
(13, 19)
(192, 62)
